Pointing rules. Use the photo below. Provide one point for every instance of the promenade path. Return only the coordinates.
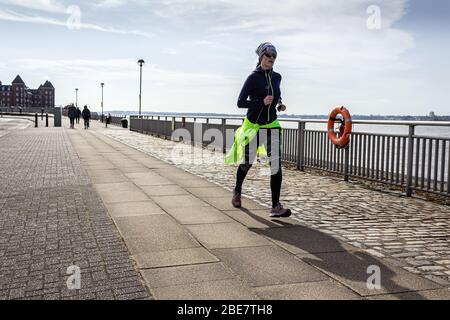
(8, 124)
(188, 242)
(123, 207)
(51, 218)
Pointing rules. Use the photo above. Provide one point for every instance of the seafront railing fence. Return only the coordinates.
(409, 161)
(32, 110)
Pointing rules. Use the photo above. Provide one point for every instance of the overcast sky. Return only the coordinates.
(199, 52)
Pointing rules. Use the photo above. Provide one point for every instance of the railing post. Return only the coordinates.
(409, 169)
(224, 137)
(346, 158)
(193, 135)
(300, 145)
(36, 120)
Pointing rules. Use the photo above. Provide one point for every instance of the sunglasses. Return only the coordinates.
(268, 55)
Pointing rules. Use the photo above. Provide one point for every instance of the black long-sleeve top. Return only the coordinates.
(260, 84)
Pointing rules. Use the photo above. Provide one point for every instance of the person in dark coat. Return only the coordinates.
(78, 115)
(72, 114)
(261, 96)
(86, 114)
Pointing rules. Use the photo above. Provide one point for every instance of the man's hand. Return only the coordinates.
(268, 100)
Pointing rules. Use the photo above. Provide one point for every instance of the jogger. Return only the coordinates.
(261, 131)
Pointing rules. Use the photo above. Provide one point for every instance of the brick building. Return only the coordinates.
(19, 95)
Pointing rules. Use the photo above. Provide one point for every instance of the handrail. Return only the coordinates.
(370, 122)
(409, 160)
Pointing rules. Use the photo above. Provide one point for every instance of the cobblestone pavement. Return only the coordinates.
(52, 218)
(413, 233)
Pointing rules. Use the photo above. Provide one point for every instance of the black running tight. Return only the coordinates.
(271, 139)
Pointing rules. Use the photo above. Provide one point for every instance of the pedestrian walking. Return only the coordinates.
(86, 114)
(260, 133)
(78, 115)
(72, 114)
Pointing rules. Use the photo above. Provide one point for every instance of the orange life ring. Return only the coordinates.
(345, 129)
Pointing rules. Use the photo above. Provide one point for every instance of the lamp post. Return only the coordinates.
(141, 63)
(76, 97)
(102, 84)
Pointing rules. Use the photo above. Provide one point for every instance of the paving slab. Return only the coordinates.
(154, 233)
(128, 163)
(135, 208)
(164, 190)
(147, 226)
(225, 235)
(303, 240)
(134, 169)
(224, 203)
(150, 163)
(196, 182)
(174, 172)
(268, 265)
(198, 215)
(100, 167)
(148, 179)
(177, 257)
(107, 176)
(181, 275)
(120, 192)
(351, 269)
(321, 290)
(183, 201)
(211, 290)
(210, 192)
(259, 219)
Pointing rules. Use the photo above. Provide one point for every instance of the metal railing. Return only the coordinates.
(116, 120)
(26, 110)
(410, 161)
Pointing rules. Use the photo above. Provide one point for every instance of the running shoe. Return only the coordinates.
(236, 201)
(280, 212)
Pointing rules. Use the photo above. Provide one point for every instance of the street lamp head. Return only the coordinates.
(141, 62)
(102, 84)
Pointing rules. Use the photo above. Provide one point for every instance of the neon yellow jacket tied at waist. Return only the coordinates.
(243, 136)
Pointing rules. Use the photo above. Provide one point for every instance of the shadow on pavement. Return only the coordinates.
(337, 259)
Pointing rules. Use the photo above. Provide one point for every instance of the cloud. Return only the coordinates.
(17, 17)
(109, 4)
(42, 5)
(327, 55)
(164, 89)
(169, 51)
(123, 69)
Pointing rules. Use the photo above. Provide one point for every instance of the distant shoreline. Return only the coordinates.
(291, 116)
